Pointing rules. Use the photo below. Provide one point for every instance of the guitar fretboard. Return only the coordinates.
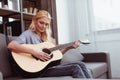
(61, 46)
(67, 45)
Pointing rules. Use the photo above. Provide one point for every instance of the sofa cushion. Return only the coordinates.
(45, 78)
(97, 69)
(4, 57)
(72, 56)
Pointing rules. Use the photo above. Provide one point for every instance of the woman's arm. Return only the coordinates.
(75, 45)
(15, 47)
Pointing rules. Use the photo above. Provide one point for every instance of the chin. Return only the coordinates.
(42, 31)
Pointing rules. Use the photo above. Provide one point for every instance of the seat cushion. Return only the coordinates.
(97, 69)
(72, 56)
(46, 78)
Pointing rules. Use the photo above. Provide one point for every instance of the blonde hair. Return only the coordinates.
(42, 13)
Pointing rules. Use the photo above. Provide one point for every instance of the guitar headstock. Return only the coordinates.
(86, 41)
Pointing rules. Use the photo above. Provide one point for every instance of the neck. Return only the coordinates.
(38, 34)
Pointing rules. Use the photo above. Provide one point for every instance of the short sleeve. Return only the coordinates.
(28, 37)
(21, 39)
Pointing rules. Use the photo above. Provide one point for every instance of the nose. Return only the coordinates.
(44, 25)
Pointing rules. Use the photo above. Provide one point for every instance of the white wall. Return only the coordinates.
(84, 26)
(63, 21)
(74, 22)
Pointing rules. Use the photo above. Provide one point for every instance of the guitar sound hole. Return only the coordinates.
(46, 50)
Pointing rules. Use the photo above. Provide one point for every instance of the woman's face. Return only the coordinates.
(42, 24)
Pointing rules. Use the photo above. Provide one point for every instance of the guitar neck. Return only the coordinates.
(68, 45)
(61, 46)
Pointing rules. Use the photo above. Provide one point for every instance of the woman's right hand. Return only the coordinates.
(36, 53)
(41, 55)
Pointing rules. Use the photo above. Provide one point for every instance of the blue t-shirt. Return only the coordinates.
(28, 37)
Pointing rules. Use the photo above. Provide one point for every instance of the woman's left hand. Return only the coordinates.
(76, 44)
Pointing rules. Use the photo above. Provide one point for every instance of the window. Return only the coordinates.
(106, 14)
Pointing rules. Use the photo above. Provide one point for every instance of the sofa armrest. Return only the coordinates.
(1, 76)
(98, 57)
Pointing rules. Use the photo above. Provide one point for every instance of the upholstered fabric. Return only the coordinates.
(72, 56)
(4, 57)
(46, 78)
(97, 68)
(1, 76)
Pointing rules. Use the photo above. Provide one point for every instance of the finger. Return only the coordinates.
(42, 59)
(46, 55)
(46, 58)
(77, 42)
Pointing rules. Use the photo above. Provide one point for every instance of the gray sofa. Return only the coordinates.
(98, 64)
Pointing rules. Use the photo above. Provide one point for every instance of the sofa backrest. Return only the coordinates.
(72, 56)
(5, 67)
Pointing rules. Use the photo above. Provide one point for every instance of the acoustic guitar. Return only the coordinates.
(28, 64)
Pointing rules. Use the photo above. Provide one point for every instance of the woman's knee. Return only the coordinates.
(77, 71)
(82, 64)
(76, 67)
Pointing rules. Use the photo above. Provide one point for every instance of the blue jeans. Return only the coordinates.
(76, 70)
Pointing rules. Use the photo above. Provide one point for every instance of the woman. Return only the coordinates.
(38, 32)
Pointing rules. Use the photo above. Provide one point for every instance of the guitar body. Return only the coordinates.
(26, 65)
(29, 66)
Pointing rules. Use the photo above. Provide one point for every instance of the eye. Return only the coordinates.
(46, 24)
(41, 22)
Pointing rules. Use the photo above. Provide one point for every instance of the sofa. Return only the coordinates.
(98, 63)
